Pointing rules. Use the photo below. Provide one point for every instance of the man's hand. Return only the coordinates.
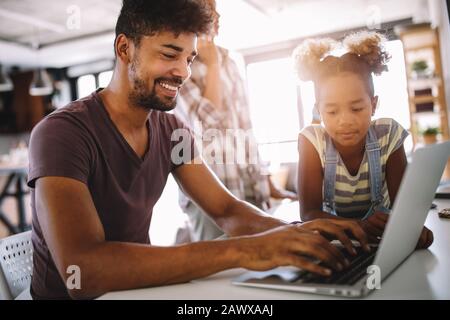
(302, 245)
(290, 245)
(334, 229)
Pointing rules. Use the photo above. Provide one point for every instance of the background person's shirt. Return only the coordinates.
(247, 181)
(352, 193)
(81, 142)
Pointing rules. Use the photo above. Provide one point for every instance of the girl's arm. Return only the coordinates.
(395, 168)
(310, 179)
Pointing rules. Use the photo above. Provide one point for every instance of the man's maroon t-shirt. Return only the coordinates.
(81, 142)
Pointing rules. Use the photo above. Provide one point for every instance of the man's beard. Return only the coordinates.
(141, 98)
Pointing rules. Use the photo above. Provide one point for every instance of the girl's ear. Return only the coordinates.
(375, 103)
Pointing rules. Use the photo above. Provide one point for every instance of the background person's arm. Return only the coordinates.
(233, 216)
(279, 193)
(210, 56)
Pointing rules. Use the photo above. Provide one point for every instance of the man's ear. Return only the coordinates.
(375, 101)
(122, 47)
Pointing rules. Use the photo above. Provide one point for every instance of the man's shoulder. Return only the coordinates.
(74, 117)
(75, 109)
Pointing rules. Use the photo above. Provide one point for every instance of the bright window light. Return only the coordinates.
(104, 78)
(273, 107)
(85, 85)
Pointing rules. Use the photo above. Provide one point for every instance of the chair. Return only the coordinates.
(16, 265)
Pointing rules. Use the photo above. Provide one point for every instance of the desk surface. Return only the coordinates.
(424, 275)
(6, 168)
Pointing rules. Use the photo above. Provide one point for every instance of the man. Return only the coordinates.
(98, 166)
(215, 97)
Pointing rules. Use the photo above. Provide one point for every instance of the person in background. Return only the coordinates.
(215, 96)
(352, 166)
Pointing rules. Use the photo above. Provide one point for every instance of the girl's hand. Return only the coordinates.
(374, 226)
(426, 239)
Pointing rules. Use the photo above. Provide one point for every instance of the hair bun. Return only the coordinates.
(308, 55)
(369, 46)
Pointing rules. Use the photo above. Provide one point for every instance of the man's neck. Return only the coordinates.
(122, 113)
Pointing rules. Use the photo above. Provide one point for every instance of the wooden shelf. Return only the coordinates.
(423, 83)
(417, 38)
(423, 99)
(428, 114)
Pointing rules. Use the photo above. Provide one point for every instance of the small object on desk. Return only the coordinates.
(443, 192)
(442, 195)
(433, 206)
(444, 213)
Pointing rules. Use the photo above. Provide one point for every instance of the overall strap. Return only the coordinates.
(329, 179)
(375, 175)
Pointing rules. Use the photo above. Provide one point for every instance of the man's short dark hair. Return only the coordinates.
(140, 18)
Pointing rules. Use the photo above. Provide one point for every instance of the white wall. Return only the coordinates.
(244, 27)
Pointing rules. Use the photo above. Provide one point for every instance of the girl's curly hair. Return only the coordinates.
(365, 56)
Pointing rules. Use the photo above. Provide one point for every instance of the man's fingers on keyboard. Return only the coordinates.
(328, 257)
(358, 233)
(306, 264)
(333, 231)
(338, 254)
(347, 243)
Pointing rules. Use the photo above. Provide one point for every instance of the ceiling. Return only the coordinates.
(270, 7)
(73, 32)
(46, 22)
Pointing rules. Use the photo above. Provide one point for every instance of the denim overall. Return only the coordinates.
(375, 175)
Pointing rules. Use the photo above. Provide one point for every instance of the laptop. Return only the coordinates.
(399, 240)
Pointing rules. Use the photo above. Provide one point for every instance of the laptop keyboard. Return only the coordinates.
(348, 276)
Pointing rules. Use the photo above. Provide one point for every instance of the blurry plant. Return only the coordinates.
(419, 66)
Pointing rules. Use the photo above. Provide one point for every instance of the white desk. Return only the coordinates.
(424, 275)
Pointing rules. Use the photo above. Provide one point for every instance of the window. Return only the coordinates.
(392, 90)
(104, 78)
(85, 85)
(89, 83)
(273, 108)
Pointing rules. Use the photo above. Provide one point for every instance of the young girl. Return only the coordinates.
(351, 167)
